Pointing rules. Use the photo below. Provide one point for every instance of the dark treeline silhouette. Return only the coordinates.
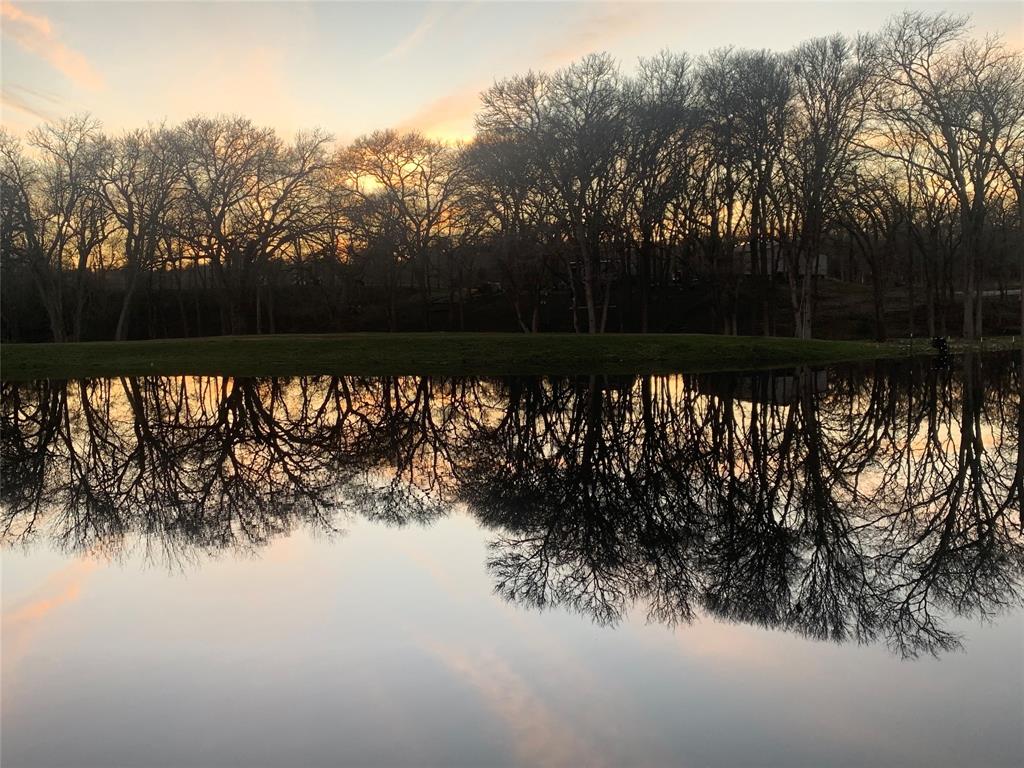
(869, 503)
(713, 193)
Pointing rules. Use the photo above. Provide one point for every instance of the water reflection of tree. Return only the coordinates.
(588, 520)
(870, 508)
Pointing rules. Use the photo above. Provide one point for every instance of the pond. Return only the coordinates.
(799, 567)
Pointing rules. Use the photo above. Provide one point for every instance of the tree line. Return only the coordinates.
(747, 173)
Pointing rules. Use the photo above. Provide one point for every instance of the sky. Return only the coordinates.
(352, 67)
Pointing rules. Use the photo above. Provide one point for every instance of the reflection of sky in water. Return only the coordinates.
(387, 647)
(249, 638)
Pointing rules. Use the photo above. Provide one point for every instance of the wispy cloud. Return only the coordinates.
(416, 36)
(35, 34)
(25, 100)
(452, 14)
(62, 587)
(540, 736)
(603, 25)
(40, 105)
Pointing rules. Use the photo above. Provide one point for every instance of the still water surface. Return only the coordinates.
(795, 568)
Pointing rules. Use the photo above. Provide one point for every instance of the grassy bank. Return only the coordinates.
(435, 353)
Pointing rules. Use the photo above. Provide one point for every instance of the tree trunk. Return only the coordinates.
(645, 283)
(271, 321)
(878, 291)
(968, 295)
(573, 298)
(604, 307)
(126, 304)
(50, 293)
(259, 310)
(55, 315)
(971, 290)
(911, 298)
(588, 293)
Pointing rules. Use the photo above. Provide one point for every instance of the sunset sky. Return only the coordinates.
(353, 67)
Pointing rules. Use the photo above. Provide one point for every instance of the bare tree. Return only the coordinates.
(873, 218)
(140, 184)
(658, 155)
(573, 122)
(57, 222)
(415, 180)
(247, 199)
(504, 193)
(832, 85)
(747, 104)
(954, 98)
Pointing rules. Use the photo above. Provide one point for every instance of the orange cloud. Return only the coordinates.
(61, 588)
(449, 117)
(36, 35)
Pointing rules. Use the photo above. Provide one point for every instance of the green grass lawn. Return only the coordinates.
(431, 353)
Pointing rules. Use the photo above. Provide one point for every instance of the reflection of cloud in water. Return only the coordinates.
(538, 734)
(23, 620)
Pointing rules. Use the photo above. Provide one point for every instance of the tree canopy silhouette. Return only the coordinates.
(589, 199)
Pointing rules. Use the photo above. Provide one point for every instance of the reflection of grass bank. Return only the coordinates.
(437, 353)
